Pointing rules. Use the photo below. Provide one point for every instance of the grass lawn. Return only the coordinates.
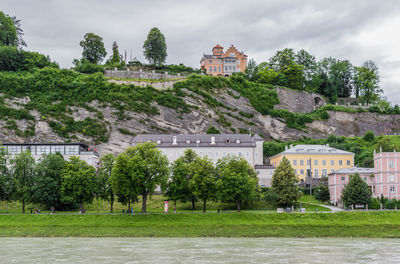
(244, 224)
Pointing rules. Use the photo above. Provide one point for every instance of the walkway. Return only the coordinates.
(334, 209)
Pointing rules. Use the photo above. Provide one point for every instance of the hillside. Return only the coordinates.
(53, 105)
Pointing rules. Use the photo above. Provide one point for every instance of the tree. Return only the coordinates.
(369, 136)
(294, 76)
(17, 24)
(47, 188)
(203, 181)
(155, 48)
(282, 59)
(178, 185)
(105, 190)
(251, 70)
(341, 75)
(284, 183)
(308, 62)
(8, 31)
(148, 168)
(237, 181)
(115, 57)
(93, 48)
(122, 182)
(6, 180)
(356, 191)
(23, 172)
(366, 82)
(78, 182)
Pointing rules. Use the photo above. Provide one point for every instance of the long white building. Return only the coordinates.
(215, 147)
(83, 151)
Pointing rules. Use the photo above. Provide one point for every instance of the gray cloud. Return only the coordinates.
(260, 28)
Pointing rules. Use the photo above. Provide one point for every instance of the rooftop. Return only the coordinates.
(354, 170)
(200, 140)
(313, 149)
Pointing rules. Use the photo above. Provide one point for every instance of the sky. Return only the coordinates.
(356, 30)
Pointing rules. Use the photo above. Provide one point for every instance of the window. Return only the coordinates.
(391, 164)
(308, 162)
(391, 177)
(343, 178)
(391, 189)
(215, 68)
(348, 162)
(224, 154)
(302, 162)
(239, 154)
(301, 171)
(365, 178)
(294, 162)
(237, 141)
(219, 68)
(247, 154)
(316, 173)
(324, 172)
(187, 141)
(324, 162)
(210, 61)
(210, 69)
(316, 162)
(332, 163)
(197, 141)
(232, 54)
(226, 68)
(332, 170)
(340, 162)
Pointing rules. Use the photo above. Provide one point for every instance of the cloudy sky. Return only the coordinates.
(356, 30)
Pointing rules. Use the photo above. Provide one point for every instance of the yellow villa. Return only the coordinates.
(319, 160)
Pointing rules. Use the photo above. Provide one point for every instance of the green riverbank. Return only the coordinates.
(245, 224)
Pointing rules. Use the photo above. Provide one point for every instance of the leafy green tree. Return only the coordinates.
(20, 33)
(213, 130)
(122, 181)
(47, 188)
(115, 57)
(8, 31)
(6, 179)
(282, 59)
(251, 70)
(294, 76)
(148, 169)
(237, 181)
(321, 193)
(270, 196)
(178, 185)
(155, 48)
(341, 75)
(366, 81)
(78, 182)
(23, 171)
(270, 76)
(369, 136)
(356, 191)
(93, 48)
(203, 181)
(105, 190)
(308, 62)
(284, 183)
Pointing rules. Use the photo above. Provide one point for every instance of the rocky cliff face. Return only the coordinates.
(121, 132)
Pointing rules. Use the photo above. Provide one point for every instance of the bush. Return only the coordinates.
(13, 59)
(374, 204)
(369, 136)
(85, 66)
(213, 130)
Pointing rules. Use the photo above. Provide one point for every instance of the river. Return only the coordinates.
(199, 250)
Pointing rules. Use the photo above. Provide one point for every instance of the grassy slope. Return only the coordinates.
(346, 224)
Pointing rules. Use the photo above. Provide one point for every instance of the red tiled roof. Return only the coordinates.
(218, 47)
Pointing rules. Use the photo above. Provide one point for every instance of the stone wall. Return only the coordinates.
(139, 74)
(298, 101)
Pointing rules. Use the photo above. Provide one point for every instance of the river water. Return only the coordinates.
(199, 250)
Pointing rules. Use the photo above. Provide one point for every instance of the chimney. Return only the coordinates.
(213, 140)
(380, 149)
(286, 147)
(174, 140)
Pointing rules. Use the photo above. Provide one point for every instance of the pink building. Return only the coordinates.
(384, 178)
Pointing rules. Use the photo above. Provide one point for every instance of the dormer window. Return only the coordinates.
(197, 141)
(237, 141)
(228, 141)
(187, 141)
(158, 141)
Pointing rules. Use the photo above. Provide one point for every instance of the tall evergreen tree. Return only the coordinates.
(7, 186)
(155, 48)
(284, 183)
(356, 191)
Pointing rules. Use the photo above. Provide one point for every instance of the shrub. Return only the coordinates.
(14, 59)
(369, 136)
(85, 66)
(213, 130)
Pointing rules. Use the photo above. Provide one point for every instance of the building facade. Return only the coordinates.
(315, 160)
(214, 147)
(67, 150)
(222, 63)
(383, 179)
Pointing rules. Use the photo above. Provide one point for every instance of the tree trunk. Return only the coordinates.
(52, 209)
(204, 206)
(112, 203)
(144, 202)
(238, 207)
(82, 209)
(193, 204)
(23, 206)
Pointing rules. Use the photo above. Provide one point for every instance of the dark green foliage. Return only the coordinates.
(248, 115)
(14, 59)
(93, 48)
(321, 193)
(213, 130)
(85, 66)
(126, 132)
(155, 48)
(284, 183)
(356, 192)
(369, 136)
(270, 196)
(8, 31)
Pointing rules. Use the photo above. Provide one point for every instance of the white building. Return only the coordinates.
(66, 149)
(215, 147)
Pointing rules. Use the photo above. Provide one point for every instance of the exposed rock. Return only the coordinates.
(298, 101)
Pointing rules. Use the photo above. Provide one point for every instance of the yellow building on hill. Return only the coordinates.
(319, 160)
